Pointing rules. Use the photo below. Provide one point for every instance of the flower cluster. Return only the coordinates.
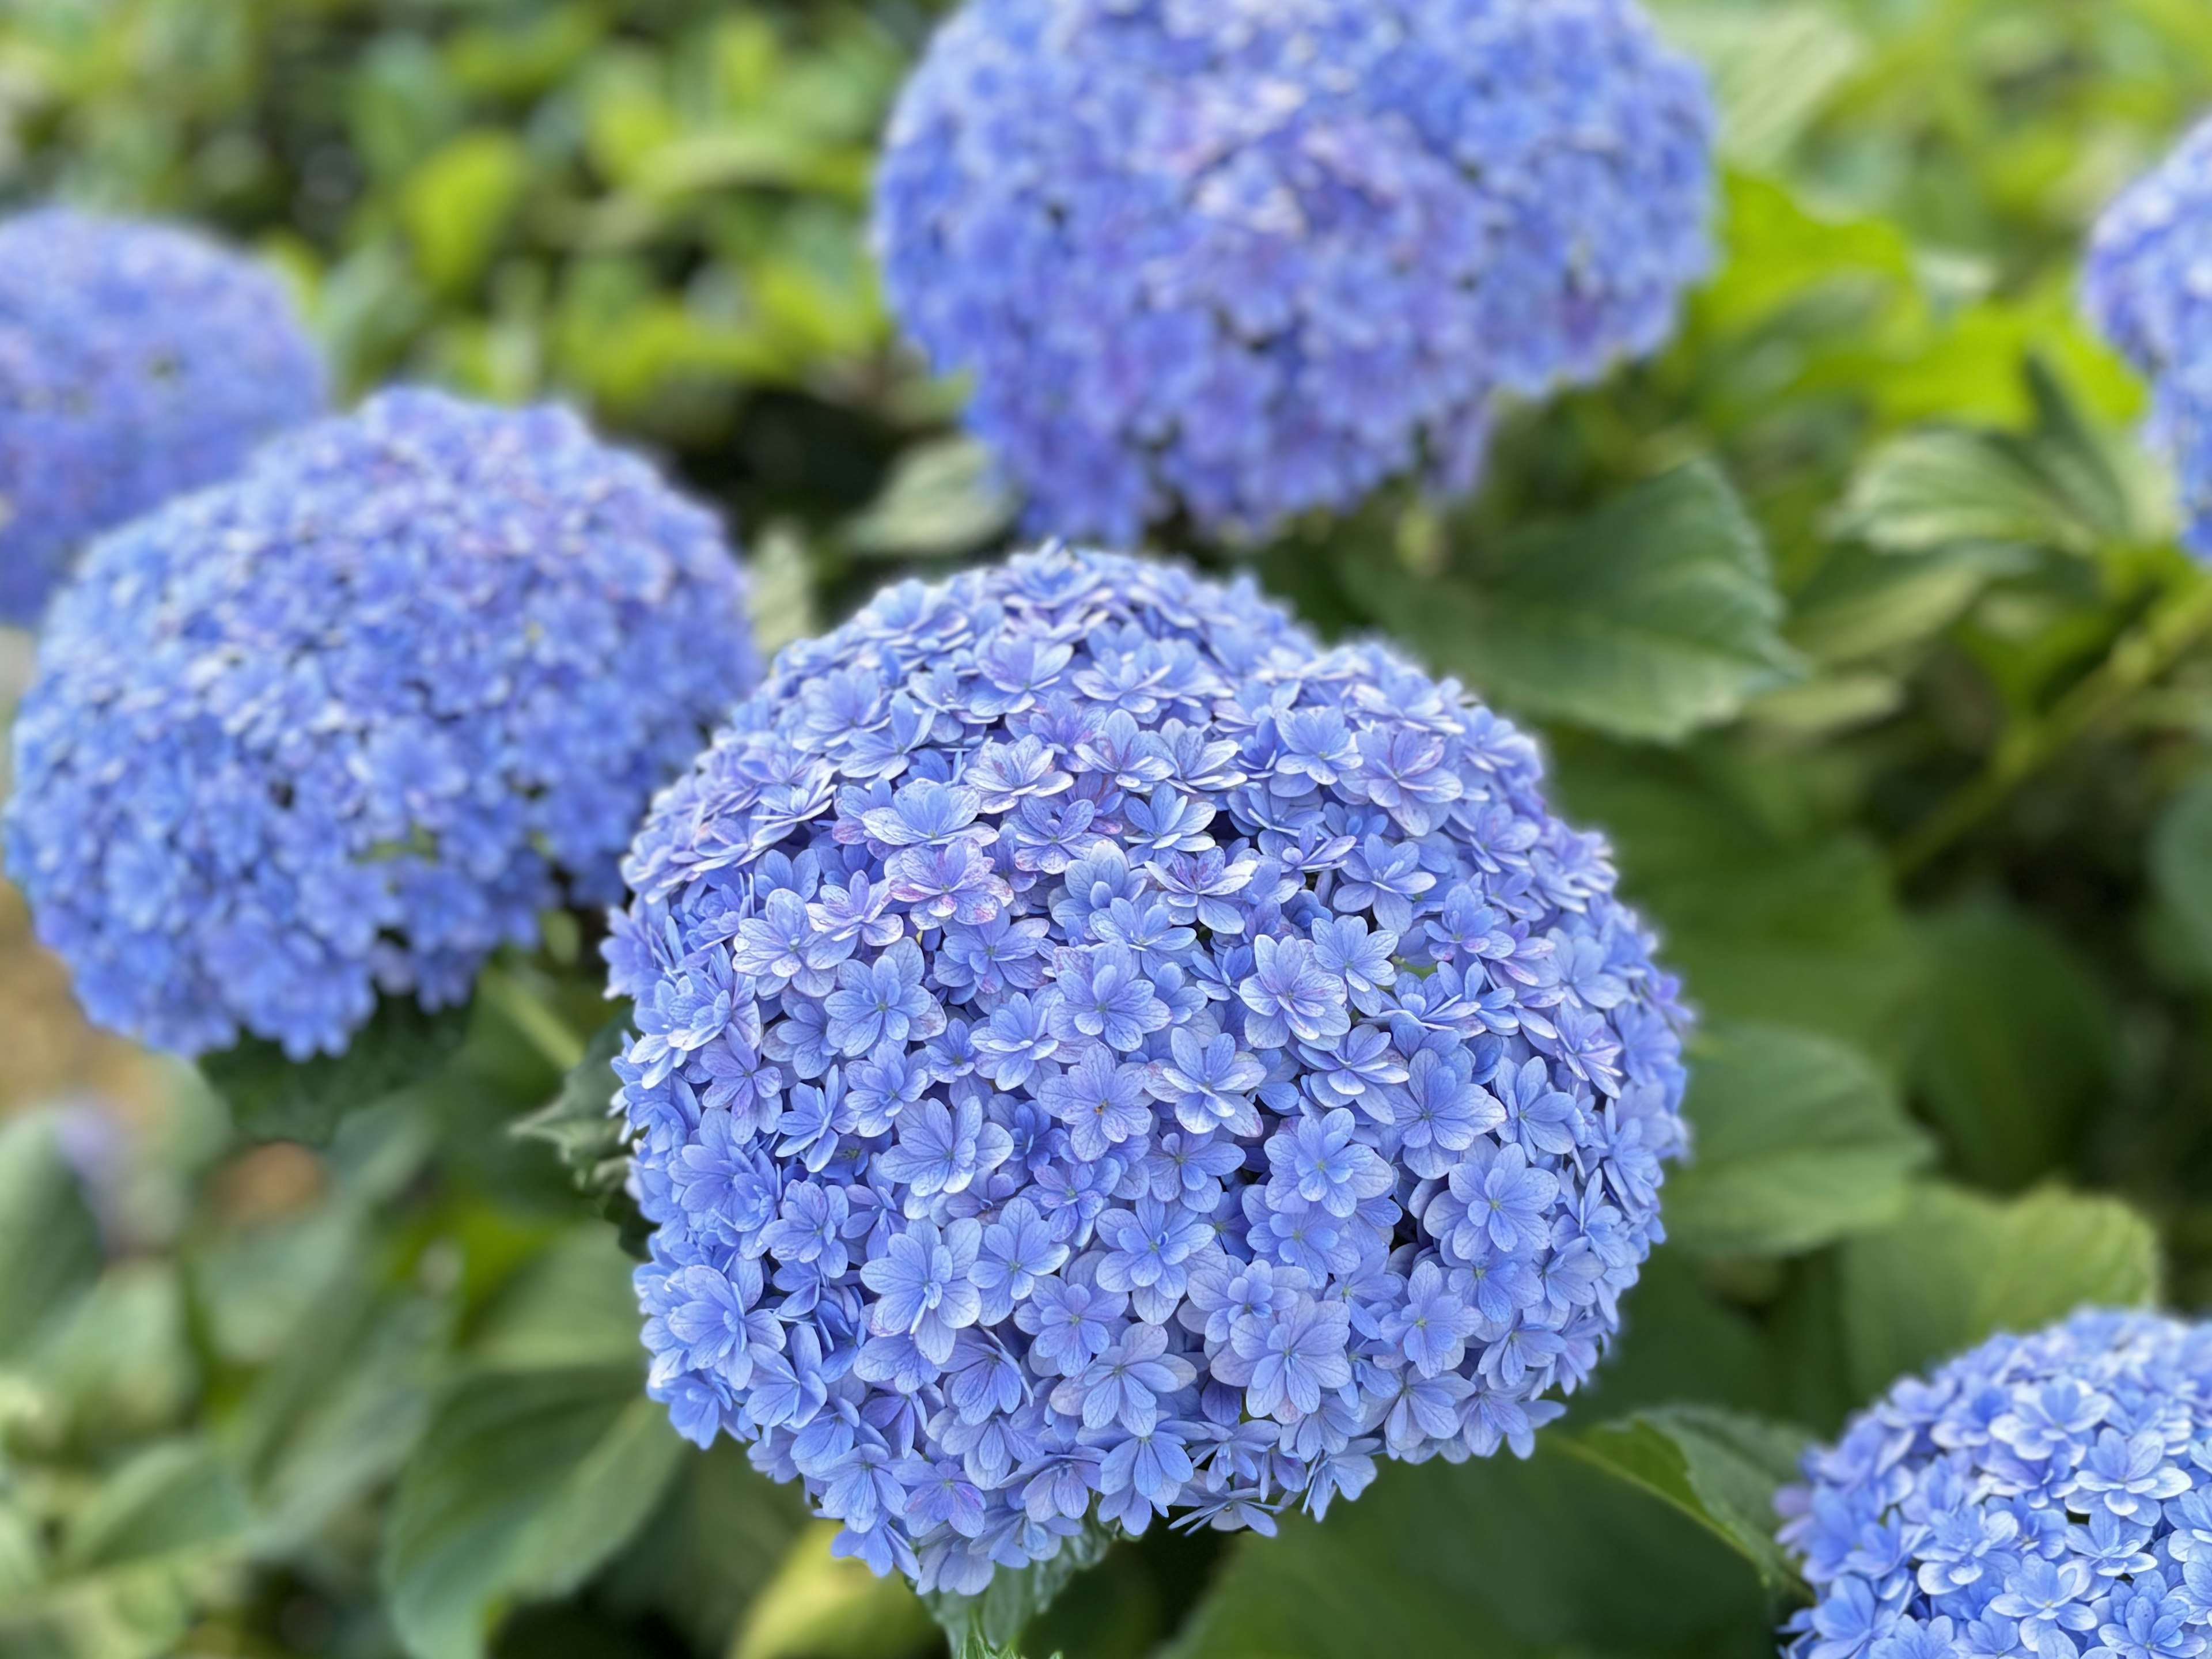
(1100, 1054)
(350, 721)
(2048, 1495)
(1245, 258)
(2144, 287)
(137, 361)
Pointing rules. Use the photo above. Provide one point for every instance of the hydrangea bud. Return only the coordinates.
(1102, 1055)
(1240, 258)
(349, 722)
(2043, 1495)
(137, 361)
(2144, 287)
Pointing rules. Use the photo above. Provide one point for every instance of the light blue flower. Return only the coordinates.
(1017, 1040)
(1319, 1159)
(1912, 1640)
(1105, 994)
(1072, 1321)
(924, 1285)
(1019, 1251)
(1432, 1327)
(2040, 1494)
(1146, 1250)
(880, 1002)
(1209, 1081)
(1101, 1100)
(1293, 1359)
(1290, 993)
(1505, 1201)
(943, 1149)
(1172, 1180)
(1125, 1381)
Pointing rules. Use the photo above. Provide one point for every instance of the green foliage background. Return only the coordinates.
(1855, 618)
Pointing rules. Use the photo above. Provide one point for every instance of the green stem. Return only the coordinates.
(547, 1032)
(2137, 659)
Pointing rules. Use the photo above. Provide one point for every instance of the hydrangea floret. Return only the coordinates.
(2144, 287)
(1101, 1056)
(346, 724)
(137, 361)
(2047, 1495)
(1241, 259)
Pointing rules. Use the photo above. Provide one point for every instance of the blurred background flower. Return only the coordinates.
(345, 725)
(137, 361)
(1237, 261)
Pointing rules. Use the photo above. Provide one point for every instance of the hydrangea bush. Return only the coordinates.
(2144, 285)
(1245, 257)
(346, 724)
(1102, 1055)
(137, 361)
(2048, 1495)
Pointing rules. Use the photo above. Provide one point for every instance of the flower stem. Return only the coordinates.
(545, 1030)
(2137, 659)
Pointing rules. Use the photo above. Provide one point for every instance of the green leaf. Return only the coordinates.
(572, 1303)
(338, 1412)
(273, 1097)
(1132, 1601)
(1685, 1340)
(527, 56)
(782, 598)
(178, 1498)
(1719, 1467)
(523, 1483)
(2067, 485)
(1805, 936)
(1773, 69)
(943, 498)
(1780, 255)
(1863, 604)
(50, 1251)
(120, 1364)
(819, 1606)
(591, 1139)
(980, 1627)
(1798, 1140)
(21, 1558)
(719, 1536)
(2181, 866)
(458, 203)
(2108, 478)
(2016, 1045)
(256, 1287)
(1829, 703)
(1494, 1559)
(135, 1561)
(1652, 618)
(1771, 923)
(1935, 490)
(1958, 1266)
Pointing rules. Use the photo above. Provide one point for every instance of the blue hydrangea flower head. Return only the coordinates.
(2047, 1495)
(1101, 1056)
(2145, 286)
(137, 361)
(349, 722)
(1240, 258)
